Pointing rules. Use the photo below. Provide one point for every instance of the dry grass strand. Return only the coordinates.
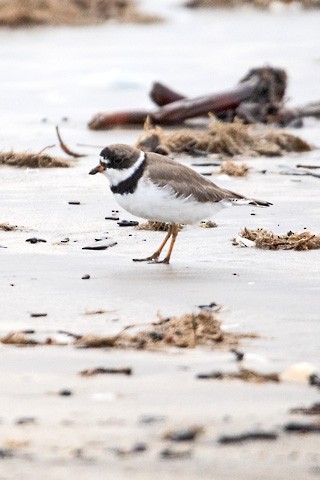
(32, 160)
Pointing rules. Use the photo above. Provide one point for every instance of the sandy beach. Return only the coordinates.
(58, 423)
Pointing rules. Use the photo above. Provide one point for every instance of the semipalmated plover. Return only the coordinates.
(154, 187)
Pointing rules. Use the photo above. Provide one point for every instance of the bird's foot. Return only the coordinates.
(153, 259)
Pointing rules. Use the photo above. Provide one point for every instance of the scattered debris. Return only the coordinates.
(65, 393)
(264, 4)
(313, 410)
(151, 419)
(239, 355)
(300, 173)
(211, 307)
(89, 372)
(208, 224)
(8, 228)
(206, 164)
(233, 170)
(32, 160)
(21, 13)
(173, 454)
(85, 277)
(243, 374)
(296, 427)
(246, 437)
(128, 223)
(36, 240)
(289, 241)
(6, 453)
(314, 380)
(37, 315)
(66, 149)
(101, 246)
(97, 312)
(26, 421)
(139, 447)
(184, 434)
(227, 139)
(311, 167)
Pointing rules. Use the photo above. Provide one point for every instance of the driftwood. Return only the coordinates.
(257, 98)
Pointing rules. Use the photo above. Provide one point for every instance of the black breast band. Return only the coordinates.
(129, 185)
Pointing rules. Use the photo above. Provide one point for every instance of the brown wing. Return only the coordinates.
(165, 172)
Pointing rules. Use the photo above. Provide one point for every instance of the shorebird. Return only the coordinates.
(153, 187)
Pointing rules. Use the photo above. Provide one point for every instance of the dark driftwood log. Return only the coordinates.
(178, 111)
(254, 98)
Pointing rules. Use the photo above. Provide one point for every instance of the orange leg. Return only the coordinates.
(157, 253)
(175, 231)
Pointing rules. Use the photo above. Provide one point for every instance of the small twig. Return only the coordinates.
(67, 149)
(46, 148)
(307, 166)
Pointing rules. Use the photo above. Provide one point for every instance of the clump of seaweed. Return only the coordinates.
(17, 13)
(155, 226)
(263, 4)
(244, 374)
(32, 160)
(6, 227)
(187, 331)
(223, 138)
(233, 169)
(289, 241)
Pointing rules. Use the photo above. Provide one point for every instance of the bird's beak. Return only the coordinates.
(99, 169)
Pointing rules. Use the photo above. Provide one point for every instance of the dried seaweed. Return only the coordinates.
(233, 170)
(223, 138)
(289, 241)
(263, 4)
(17, 13)
(188, 331)
(5, 227)
(32, 160)
(154, 226)
(243, 374)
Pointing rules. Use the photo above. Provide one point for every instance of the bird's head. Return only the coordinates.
(116, 157)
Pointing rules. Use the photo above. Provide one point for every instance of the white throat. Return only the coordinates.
(115, 175)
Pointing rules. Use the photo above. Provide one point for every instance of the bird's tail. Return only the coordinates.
(237, 199)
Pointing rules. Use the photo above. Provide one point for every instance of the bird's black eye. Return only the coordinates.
(118, 161)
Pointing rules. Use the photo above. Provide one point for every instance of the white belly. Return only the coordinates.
(160, 204)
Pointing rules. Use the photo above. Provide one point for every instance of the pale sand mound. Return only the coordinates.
(255, 3)
(289, 241)
(224, 138)
(16, 13)
(32, 160)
